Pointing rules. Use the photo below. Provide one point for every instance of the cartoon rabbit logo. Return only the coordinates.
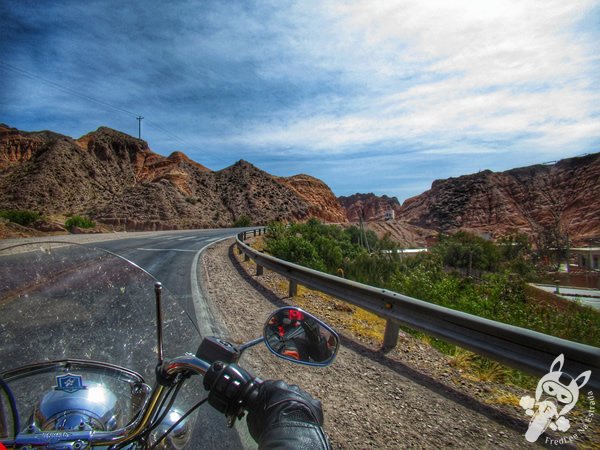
(556, 394)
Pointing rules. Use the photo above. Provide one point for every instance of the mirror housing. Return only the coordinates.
(293, 334)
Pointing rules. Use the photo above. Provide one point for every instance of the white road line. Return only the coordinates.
(186, 238)
(166, 250)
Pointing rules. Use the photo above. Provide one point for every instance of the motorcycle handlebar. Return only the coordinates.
(232, 389)
(183, 364)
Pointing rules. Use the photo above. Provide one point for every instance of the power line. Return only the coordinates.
(75, 93)
(64, 89)
(67, 90)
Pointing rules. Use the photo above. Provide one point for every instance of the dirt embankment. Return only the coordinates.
(410, 397)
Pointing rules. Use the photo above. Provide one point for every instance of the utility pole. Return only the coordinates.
(139, 119)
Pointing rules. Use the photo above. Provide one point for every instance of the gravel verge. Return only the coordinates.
(410, 397)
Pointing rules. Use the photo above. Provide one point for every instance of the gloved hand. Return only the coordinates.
(312, 329)
(286, 416)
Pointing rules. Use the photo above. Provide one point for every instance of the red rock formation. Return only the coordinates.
(371, 206)
(528, 199)
(321, 200)
(118, 180)
(16, 147)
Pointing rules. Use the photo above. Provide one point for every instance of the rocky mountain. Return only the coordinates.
(564, 195)
(370, 206)
(322, 203)
(117, 180)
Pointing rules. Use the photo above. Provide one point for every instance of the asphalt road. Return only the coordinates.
(585, 296)
(171, 257)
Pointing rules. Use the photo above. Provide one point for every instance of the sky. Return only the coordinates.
(369, 96)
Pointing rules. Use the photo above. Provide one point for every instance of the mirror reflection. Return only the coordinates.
(300, 337)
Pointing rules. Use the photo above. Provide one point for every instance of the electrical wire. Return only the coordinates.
(75, 93)
(181, 419)
(28, 74)
(62, 88)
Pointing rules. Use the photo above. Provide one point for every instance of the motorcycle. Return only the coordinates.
(83, 329)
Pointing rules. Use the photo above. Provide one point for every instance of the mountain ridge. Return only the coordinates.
(118, 180)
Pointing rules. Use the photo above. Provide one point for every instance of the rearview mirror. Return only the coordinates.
(300, 337)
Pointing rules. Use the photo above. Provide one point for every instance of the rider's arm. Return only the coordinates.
(286, 417)
(279, 416)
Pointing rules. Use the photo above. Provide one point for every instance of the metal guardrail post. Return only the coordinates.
(293, 291)
(390, 337)
(246, 258)
(259, 270)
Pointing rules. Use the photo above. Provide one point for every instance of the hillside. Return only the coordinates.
(322, 203)
(118, 180)
(370, 206)
(564, 195)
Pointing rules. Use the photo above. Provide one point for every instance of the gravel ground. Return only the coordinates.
(410, 397)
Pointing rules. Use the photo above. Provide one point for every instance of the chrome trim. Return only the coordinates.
(252, 343)
(187, 363)
(71, 364)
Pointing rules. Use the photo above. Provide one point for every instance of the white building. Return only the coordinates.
(587, 257)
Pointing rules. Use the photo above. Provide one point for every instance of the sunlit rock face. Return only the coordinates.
(118, 180)
(564, 195)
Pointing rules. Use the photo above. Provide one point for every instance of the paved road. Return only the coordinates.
(585, 296)
(171, 257)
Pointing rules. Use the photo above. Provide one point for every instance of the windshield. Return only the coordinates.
(71, 302)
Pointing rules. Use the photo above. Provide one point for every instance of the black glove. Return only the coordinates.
(318, 349)
(283, 416)
(312, 330)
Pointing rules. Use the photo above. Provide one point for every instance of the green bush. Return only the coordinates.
(242, 221)
(21, 217)
(468, 252)
(79, 222)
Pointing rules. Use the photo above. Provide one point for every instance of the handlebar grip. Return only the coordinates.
(231, 388)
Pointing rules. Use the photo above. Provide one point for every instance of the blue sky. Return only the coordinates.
(371, 96)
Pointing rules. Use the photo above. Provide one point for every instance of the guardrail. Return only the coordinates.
(517, 347)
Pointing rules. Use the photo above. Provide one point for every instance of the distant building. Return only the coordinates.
(587, 257)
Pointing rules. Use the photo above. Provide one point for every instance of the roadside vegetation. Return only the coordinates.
(242, 221)
(462, 272)
(79, 222)
(21, 217)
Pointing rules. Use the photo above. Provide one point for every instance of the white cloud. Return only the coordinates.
(442, 72)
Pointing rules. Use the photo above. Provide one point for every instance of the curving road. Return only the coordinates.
(172, 257)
